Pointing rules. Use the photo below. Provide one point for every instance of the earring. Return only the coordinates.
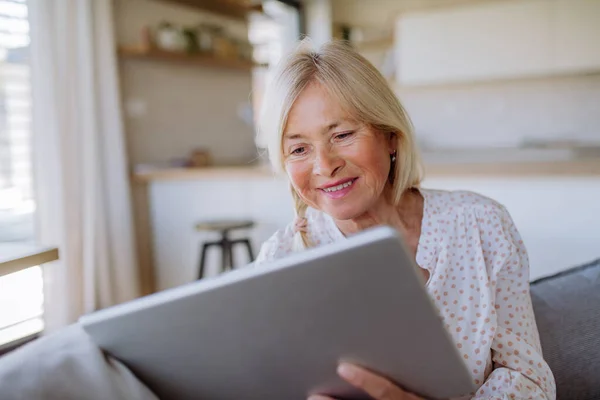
(394, 157)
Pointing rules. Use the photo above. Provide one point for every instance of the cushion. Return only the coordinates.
(67, 365)
(567, 311)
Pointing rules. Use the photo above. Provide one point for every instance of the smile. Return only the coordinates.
(339, 187)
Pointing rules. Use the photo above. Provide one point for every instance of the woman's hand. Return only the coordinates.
(374, 385)
(300, 224)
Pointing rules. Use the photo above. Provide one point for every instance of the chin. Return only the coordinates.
(345, 212)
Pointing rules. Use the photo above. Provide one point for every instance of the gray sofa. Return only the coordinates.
(567, 310)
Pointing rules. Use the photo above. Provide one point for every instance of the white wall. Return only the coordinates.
(383, 13)
(185, 106)
(505, 113)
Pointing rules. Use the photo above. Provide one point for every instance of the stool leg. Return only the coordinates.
(249, 246)
(230, 250)
(205, 247)
(224, 255)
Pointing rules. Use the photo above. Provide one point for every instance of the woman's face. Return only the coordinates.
(335, 164)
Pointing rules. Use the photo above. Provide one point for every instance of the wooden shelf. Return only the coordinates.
(237, 9)
(201, 60)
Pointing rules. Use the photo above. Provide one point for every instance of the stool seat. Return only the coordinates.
(225, 242)
(224, 225)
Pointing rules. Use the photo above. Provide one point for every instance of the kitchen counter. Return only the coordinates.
(586, 167)
(589, 167)
(175, 174)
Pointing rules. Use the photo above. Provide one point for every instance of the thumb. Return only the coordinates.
(374, 385)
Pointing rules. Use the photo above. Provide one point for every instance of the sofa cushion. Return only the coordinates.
(67, 365)
(567, 310)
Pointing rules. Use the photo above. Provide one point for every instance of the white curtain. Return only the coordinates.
(83, 192)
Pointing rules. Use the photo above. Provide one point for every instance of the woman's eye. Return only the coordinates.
(298, 150)
(344, 135)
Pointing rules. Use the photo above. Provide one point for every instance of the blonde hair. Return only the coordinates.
(362, 92)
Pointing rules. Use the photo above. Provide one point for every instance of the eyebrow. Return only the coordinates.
(331, 126)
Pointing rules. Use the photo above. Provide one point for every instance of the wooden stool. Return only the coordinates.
(226, 244)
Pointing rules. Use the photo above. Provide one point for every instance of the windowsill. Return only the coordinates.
(13, 345)
(21, 282)
(18, 256)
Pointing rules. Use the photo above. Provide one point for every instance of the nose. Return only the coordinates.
(327, 163)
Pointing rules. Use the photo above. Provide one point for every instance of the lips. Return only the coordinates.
(338, 185)
(340, 189)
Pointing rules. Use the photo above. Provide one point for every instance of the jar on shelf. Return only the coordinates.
(223, 46)
(206, 38)
(191, 39)
(169, 37)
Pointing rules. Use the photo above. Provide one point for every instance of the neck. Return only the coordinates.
(404, 216)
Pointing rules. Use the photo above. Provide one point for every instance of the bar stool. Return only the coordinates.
(225, 243)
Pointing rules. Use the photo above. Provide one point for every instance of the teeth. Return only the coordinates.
(339, 187)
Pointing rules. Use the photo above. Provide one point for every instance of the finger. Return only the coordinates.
(300, 229)
(319, 397)
(301, 221)
(374, 385)
(300, 224)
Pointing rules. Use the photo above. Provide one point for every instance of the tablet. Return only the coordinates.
(278, 331)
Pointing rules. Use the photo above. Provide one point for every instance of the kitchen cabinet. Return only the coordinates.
(577, 35)
(495, 41)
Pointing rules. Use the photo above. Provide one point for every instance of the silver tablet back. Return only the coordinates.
(278, 331)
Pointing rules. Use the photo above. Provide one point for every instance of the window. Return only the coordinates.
(21, 296)
(272, 34)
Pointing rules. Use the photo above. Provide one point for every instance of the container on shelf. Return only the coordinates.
(170, 38)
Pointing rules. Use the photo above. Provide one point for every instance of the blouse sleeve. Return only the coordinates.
(519, 370)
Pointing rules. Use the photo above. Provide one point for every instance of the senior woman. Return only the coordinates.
(334, 126)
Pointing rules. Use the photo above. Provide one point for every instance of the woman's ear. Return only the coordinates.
(392, 142)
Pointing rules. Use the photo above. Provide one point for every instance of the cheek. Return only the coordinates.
(300, 175)
(373, 163)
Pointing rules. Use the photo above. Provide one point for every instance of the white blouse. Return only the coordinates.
(479, 280)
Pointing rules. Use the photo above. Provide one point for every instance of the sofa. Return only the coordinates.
(567, 310)
(69, 366)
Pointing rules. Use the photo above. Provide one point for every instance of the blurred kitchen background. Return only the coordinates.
(504, 96)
